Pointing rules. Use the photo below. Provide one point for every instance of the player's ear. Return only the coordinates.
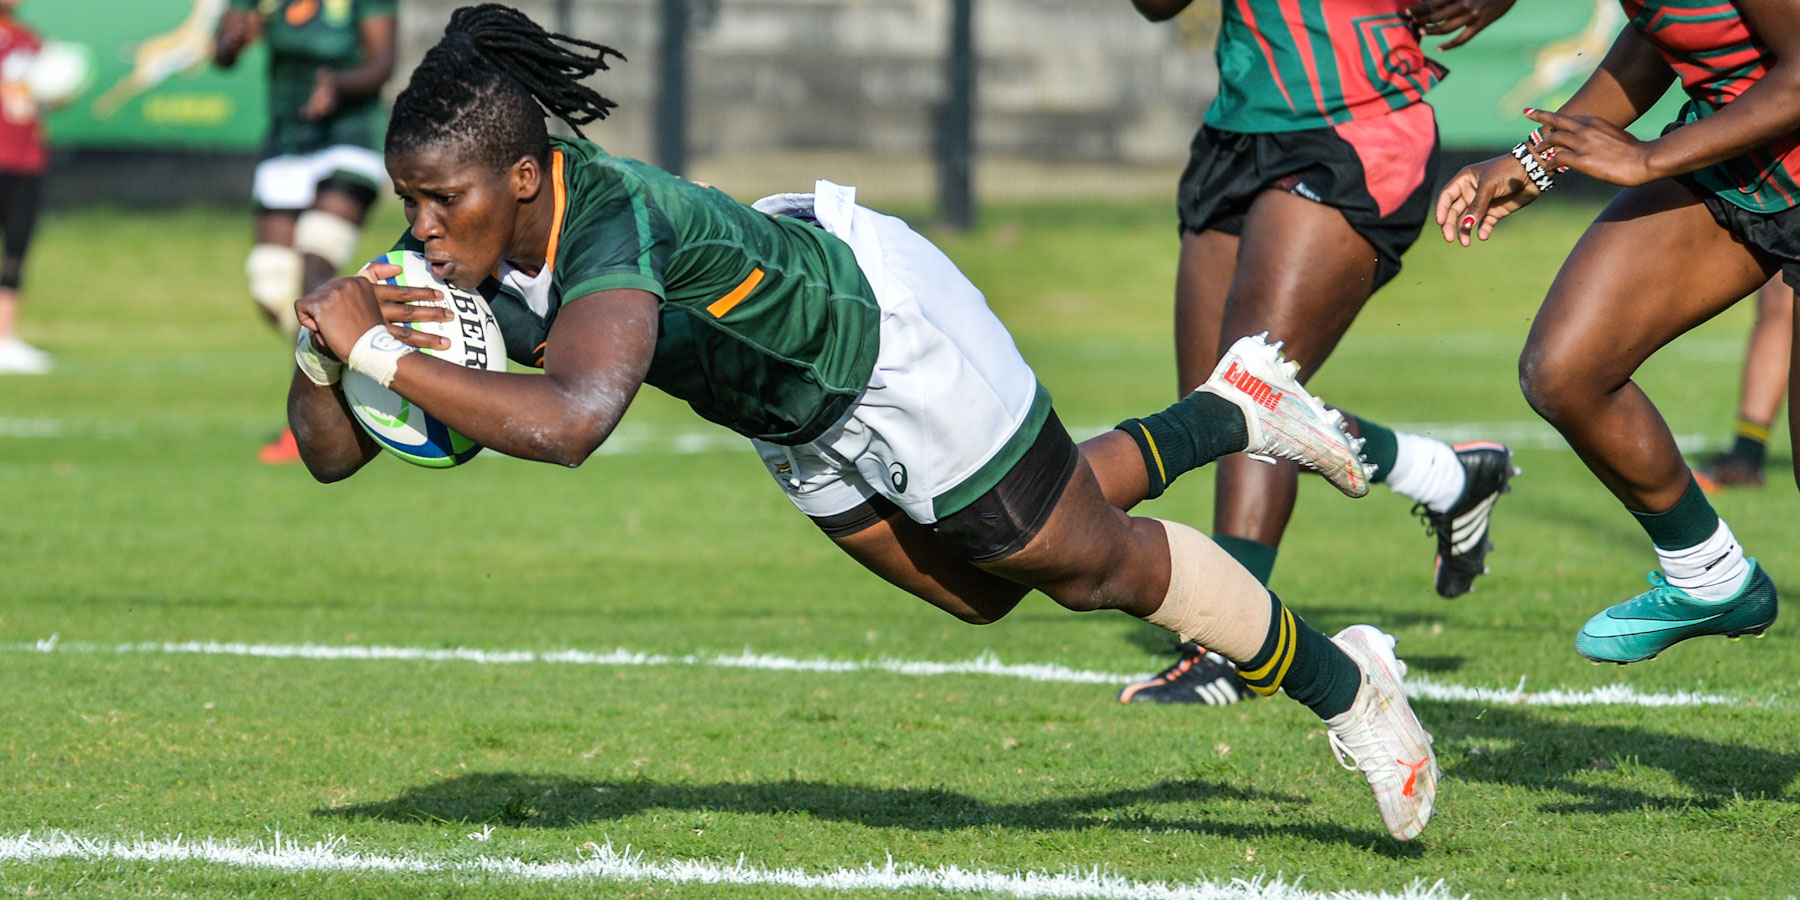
(527, 179)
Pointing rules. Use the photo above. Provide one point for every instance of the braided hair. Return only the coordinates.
(485, 87)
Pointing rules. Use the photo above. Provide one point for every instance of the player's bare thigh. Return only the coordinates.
(911, 557)
(1303, 274)
(1653, 266)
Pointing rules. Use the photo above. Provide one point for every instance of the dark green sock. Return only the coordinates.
(1380, 449)
(1256, 556)
(1752, 442)
(1304, 662)
(1198, 429)
(1687, 523)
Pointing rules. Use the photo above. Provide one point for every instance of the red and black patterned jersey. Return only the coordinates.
(1717, 57)
(22, 150)
(1287, 65)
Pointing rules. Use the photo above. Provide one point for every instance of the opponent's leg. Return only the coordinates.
(1654, 265)
(1764, 382)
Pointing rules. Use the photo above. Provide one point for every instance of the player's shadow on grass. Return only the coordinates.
(1596, 764)
(553, 801)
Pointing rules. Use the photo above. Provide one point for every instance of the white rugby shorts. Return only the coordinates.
(292, 182)
(949, 394)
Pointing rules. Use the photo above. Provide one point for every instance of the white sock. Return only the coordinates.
(1426, 471)
(1713, 569)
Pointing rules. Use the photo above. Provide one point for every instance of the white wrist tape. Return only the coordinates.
(377, 355)
(318, 368)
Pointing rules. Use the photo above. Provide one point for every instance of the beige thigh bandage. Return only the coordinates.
(324, 235)
(275, 274)
(1212, 599)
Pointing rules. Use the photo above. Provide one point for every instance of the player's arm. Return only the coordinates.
(1630, 80)
(1597, 146)
(333, 86)
(238, 29)
(1160, 10)
(1466, 17)
(595, 359)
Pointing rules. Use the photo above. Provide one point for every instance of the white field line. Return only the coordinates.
(601, 863)
(986, 664)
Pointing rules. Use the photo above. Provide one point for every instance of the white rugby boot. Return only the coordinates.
(20, 358)
(1380, 736)
(1284, 420)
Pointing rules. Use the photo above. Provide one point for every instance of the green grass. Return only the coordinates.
(143, 517)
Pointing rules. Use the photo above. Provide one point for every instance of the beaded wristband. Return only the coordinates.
(1533, 169)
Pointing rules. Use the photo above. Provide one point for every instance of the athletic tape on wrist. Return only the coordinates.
(1534, 170)
(318, 368)
(377, 355)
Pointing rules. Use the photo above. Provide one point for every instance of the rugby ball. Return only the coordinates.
(58, 73)
(393, 421)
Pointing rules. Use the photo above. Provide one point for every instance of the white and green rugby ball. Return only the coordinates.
(396, 424)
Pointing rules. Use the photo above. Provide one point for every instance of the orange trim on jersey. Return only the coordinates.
(724, 304)
(561, 203)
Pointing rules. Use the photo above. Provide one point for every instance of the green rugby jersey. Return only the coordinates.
(1289, 65)
(768, 326)
(304, 36)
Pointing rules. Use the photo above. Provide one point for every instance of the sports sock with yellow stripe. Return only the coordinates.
(1750, 442)
(1196, 430)
(1301, 660)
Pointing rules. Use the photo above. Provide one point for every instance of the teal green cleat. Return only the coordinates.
(1657, 619)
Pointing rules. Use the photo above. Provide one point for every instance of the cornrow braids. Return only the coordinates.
(485, 87)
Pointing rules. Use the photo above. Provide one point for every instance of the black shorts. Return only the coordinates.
(1002, 521)
(1776, 234)
(1380, 173)
(20, 198)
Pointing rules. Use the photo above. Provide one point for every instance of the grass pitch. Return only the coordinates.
(134, 518)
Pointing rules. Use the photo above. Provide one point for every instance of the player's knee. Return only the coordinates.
(329, 237)
(275, 273)
(1545, 381)
(1083, 593)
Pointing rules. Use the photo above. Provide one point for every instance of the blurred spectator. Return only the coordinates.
(23, 160)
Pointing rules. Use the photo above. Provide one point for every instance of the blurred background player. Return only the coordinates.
(1709, 211)
(1311, 176)
(23, 161)
(319, 171)
(1765, 382)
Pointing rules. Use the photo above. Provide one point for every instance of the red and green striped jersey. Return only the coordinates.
(1288, 65)
(1712, 50)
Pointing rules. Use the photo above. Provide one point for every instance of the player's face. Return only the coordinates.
(463, 212)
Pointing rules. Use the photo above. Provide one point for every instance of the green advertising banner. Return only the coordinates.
(1536, 55)
(153, 83)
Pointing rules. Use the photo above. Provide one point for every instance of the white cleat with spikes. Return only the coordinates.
(1284, 421)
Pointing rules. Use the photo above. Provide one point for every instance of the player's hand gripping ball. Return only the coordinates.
(396, 424)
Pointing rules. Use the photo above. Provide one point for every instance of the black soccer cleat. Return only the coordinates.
(1198, 676)
(1462, 532)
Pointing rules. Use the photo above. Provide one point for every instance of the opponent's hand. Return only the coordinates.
(1480, 196)
(342, 309)
(1445, 16)
(1594, 147)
